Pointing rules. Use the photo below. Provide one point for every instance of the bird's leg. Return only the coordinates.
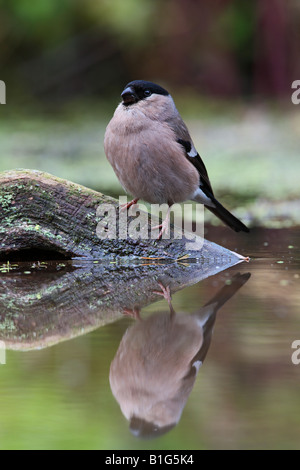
(133, 313)
(164, 226)
(166, 293)
(124, 207)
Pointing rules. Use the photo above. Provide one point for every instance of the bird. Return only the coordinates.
(153, 155)
(158, 360)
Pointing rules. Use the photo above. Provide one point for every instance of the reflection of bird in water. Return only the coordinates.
(158, 359)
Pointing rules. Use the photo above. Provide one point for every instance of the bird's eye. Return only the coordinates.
(147, 93)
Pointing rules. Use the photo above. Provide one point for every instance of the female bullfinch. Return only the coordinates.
(153, 155)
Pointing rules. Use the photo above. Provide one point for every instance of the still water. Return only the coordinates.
(90, 346)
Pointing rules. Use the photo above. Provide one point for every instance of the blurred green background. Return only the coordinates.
(229, 65)
(62, 50)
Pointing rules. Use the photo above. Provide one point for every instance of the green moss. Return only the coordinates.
(7, 325)
(5, 199)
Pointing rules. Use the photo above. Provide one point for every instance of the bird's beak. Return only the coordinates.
(128, 95)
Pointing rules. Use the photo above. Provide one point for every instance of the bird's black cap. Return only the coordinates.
(140, 89)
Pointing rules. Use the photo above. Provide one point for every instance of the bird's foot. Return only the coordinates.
(163, 230)
(164, 227)
(127, 205)
(166, 293)
(132, 313)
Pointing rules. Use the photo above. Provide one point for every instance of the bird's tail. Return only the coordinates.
(228, 291)
(226, 217)
(211, 308)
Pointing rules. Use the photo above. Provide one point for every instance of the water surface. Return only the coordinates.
(55, 388)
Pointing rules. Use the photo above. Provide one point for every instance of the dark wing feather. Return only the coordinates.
(184, 139)
(199, 165)
(220, 211)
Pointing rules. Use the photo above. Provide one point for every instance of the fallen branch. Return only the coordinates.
(44, 216)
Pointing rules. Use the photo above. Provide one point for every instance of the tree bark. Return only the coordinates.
(42, 214)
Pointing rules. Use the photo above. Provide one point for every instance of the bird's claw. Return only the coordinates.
(132, 313)
(166, 293)
(127, 205)
(164, 229)
(164, 226)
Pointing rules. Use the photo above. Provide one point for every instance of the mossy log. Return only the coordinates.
(42, 214)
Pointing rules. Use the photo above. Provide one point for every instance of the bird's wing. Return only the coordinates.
(184, 139)
(193, 156)
(205, 193)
